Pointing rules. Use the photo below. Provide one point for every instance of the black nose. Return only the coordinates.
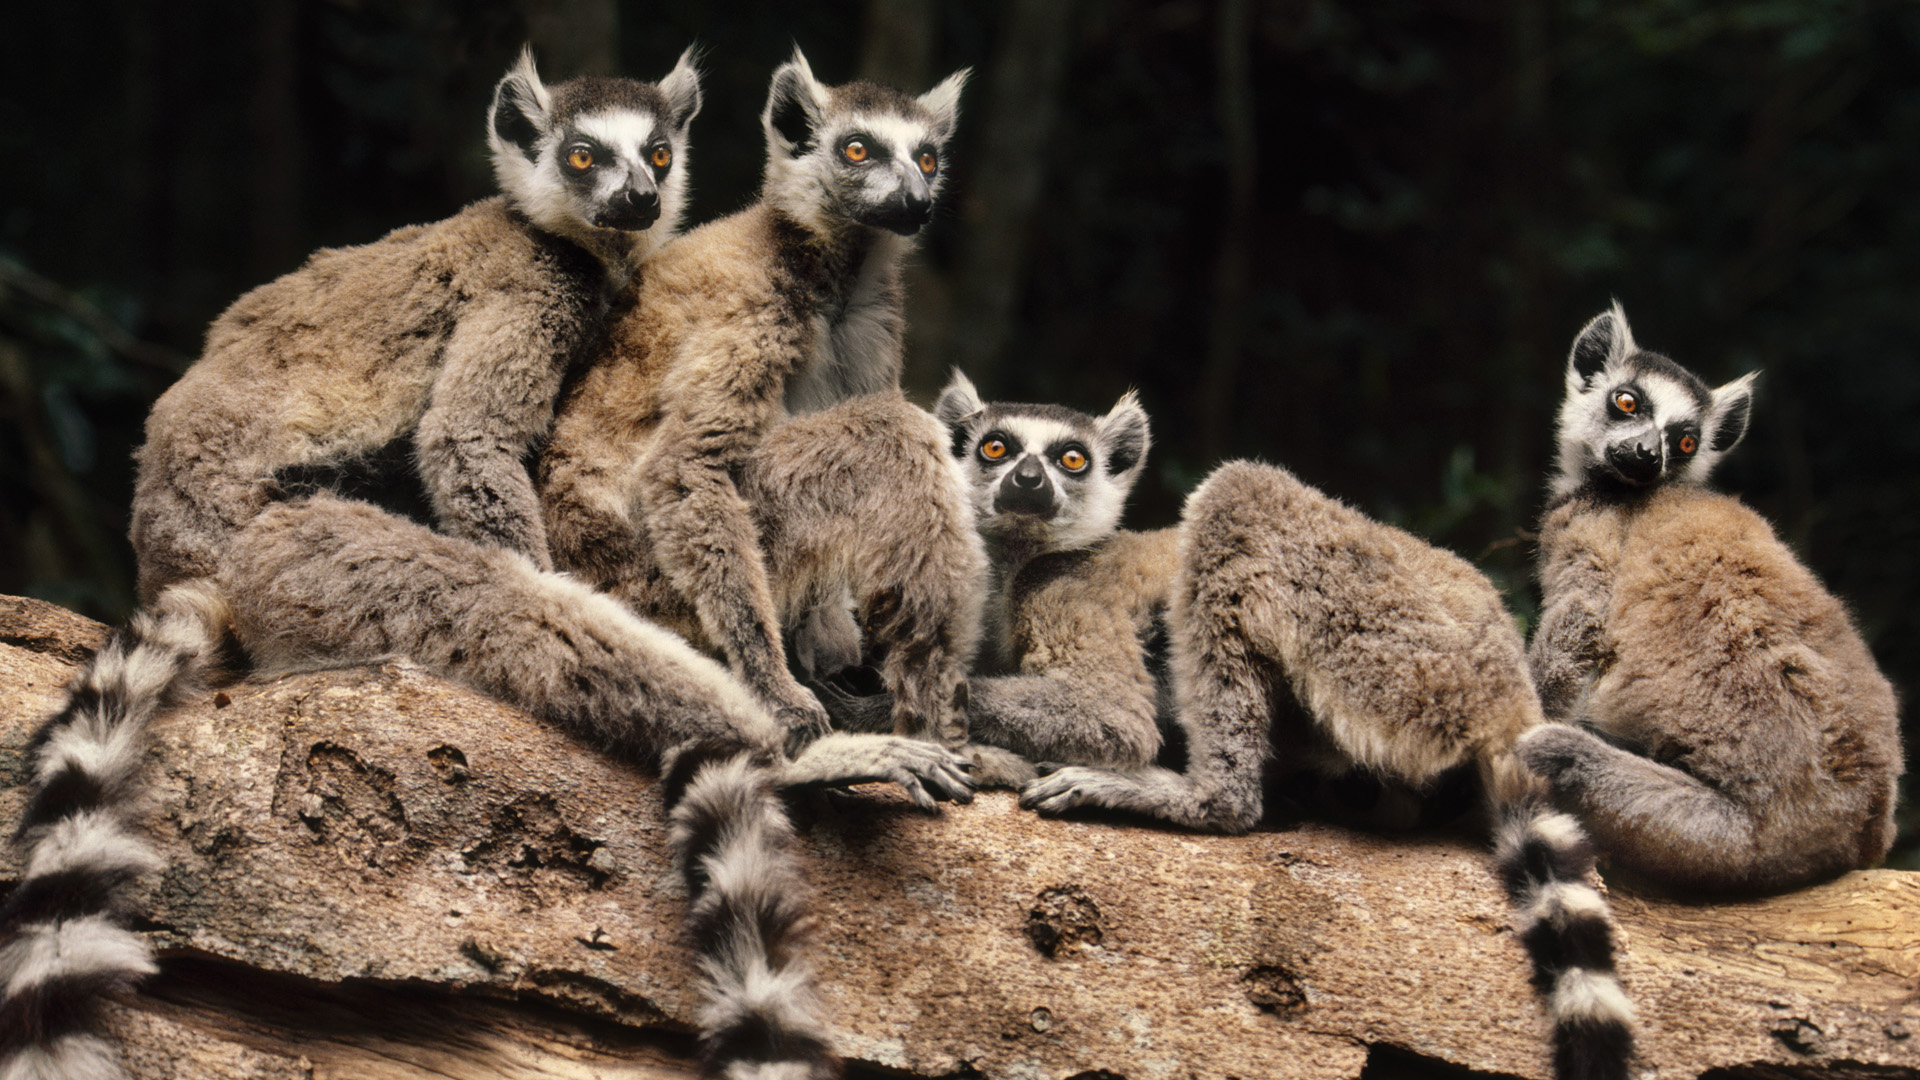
(630, 210)
(904, 213)
(1026, 490)
(1637, 462)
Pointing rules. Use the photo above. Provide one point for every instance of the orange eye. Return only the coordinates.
(1073, 461)
(993, 449)
(662, 157)
(1688, 444)
(580, 158)
(856, 151)
(1625, 401)
(928, 163)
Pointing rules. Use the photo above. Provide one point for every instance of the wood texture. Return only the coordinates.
(374, 874)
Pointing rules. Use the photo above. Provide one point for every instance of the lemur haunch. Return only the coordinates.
(1299, 629)
(741, 457)
(452, 338)
(1746, 741)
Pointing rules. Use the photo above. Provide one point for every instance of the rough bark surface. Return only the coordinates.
(374, 874)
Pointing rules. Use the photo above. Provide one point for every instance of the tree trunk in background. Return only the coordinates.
(1227, 325)
(1015, 101)
(573, 37)
(372, 874)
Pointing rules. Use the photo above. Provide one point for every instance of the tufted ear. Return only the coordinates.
(682, 89)
(958, 405)
(521, 107)
(1732, 409)
(1123, 438)
(1605, 340)
(943, 102)
(795, 103)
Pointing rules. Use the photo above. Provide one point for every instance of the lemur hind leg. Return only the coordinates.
(863, 495)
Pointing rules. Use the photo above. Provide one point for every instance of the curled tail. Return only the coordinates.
(747, 919)
(1544, 858)
(62, 942)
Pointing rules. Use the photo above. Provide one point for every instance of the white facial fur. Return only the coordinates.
(808, 176)
(539, 184)
(1668, 402)
(1084, 507)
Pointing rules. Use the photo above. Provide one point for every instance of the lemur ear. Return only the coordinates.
(957, 407)
(682, 88)
(521, 106)
(1607, 339)
(1123, 438)
(943, 102)
(795, 102)
(1732, 409)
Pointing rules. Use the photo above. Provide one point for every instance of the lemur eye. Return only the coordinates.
(993, 449)
(856, 151)
(1688, 444)
(580, 158)
(662, 157)
(928, 163)
(1625, 401)
(1073, 461)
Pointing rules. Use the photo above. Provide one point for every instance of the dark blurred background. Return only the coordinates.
(1355, 239)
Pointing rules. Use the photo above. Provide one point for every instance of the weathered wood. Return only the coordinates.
(372, 873)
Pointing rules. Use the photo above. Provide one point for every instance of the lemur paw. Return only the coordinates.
(800, 713)
(929, 773)
(994, 767)
(1072, 786)
(1553, 751)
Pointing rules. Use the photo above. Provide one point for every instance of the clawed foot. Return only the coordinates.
(994, 767)
(929, 773)
(1064, 788)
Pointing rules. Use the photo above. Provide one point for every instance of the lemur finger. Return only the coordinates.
(906, 779)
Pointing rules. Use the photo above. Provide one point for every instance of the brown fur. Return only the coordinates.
(453, 336)
(1764, 740)
(676, 480)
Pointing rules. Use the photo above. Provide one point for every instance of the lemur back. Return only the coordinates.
(1751, 743)
(1300, 629)
(452, 338)
(739, 458)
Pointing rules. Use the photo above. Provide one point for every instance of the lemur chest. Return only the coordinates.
(853, 348)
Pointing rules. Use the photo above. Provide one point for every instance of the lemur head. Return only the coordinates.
(600, 161)
(1633, 420)
(860, 152)
(1044, 477)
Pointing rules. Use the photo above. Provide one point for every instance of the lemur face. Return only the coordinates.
(594, 153)
(860, 152)
(1046, 476)
(1633, 419)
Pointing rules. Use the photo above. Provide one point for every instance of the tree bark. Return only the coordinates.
(372, 874)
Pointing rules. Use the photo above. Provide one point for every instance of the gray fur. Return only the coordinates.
(1750, 742)
(739, 458)
(1298, 626)
(452, 339)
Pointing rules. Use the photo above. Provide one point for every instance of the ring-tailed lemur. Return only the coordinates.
(1746, 740)
(452, 338)
(1300, 629)
(741, 456)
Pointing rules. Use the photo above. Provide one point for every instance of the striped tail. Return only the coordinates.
(65, 946)
(1545, 857)
(748, 922)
